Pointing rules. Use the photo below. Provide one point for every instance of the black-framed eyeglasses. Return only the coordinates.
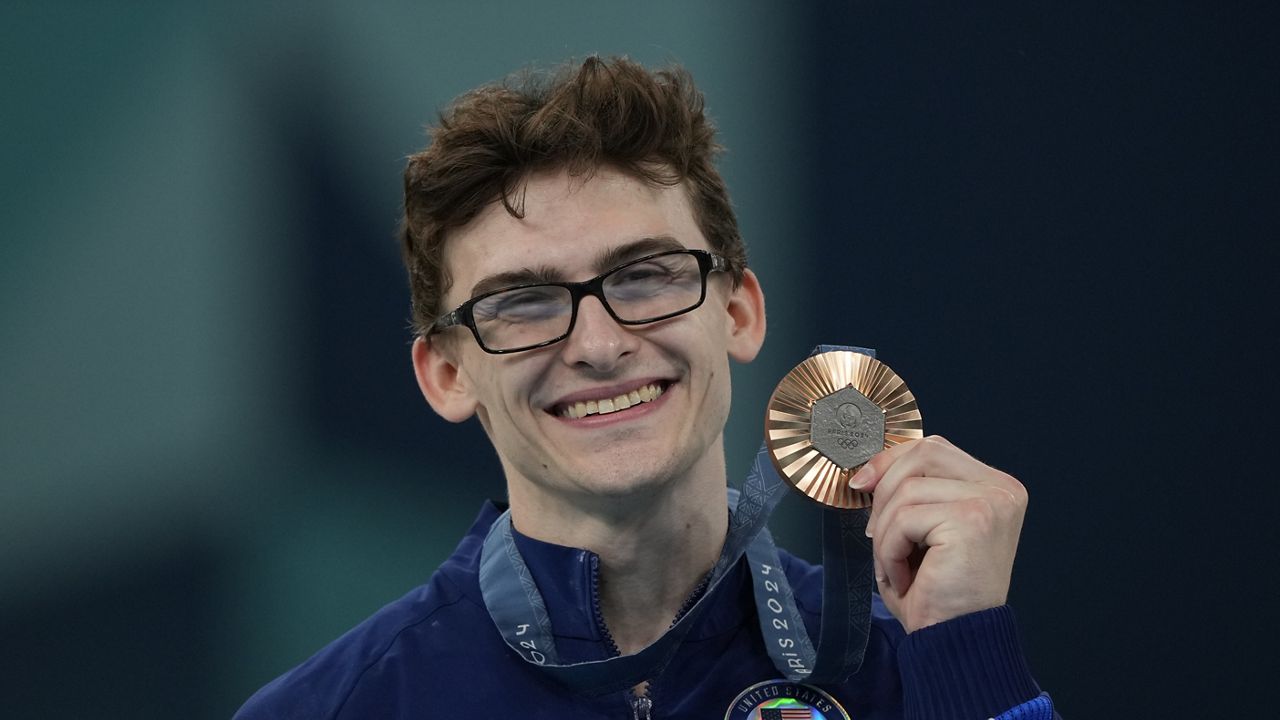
(645, 290)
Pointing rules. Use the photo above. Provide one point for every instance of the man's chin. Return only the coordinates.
(619, 485)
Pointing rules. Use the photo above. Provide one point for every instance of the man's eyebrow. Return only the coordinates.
(511, 278)
(615, 256)
(606, 261)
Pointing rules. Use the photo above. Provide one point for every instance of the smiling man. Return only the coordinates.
(580, 287)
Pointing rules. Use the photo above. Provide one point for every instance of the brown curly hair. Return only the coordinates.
(611, 111)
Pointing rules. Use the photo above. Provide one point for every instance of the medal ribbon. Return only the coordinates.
(517, 609)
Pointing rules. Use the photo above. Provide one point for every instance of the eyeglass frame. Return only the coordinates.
(708, 262)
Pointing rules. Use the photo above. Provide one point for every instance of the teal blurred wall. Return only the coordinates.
(209, 467)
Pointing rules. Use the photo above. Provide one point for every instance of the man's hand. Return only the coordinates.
(945, 530)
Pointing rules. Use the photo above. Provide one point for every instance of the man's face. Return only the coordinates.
(573, 231)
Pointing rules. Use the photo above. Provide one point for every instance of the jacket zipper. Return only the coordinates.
(641, 707)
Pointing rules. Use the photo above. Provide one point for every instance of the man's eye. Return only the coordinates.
(522, 304)
(644, 273)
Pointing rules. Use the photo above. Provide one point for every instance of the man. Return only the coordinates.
(579, 286)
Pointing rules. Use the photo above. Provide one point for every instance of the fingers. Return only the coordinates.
(932, 456)
(946, 530)
(976, 505)
(937, 561)
(919, 491)
(900, 545)
(868, 476)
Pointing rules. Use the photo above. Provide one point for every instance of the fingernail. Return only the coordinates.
(860, 478)
(880, 578)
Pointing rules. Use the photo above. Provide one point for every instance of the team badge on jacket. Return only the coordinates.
(784, 700)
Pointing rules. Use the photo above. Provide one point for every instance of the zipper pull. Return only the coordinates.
(641, 705)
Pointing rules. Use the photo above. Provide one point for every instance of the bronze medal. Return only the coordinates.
(829, 416)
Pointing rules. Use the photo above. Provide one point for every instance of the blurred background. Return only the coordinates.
(1057, 221)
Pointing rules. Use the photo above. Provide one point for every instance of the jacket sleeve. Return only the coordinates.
(970, 667)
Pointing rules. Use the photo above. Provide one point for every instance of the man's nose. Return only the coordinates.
(597, 340)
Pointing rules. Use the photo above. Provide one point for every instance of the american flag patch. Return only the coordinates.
(786, 713)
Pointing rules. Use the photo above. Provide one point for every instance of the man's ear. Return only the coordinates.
(446, 389)
(746, 316)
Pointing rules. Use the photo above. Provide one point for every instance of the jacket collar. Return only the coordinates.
(568, 579)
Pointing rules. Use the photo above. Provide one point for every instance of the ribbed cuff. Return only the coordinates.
(968, 667)
(1039, 708)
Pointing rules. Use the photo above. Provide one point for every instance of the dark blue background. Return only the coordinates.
(1065, 218)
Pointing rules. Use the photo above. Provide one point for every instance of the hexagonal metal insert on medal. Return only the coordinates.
(847, 427)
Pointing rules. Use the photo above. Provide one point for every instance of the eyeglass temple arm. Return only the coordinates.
(449, 319)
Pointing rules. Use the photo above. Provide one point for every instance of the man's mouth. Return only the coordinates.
(606, 405)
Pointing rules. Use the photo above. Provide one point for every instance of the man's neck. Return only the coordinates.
(655, 546)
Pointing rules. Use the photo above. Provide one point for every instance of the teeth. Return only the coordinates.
(645, 394)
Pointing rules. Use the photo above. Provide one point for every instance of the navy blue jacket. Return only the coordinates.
(436, 653)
